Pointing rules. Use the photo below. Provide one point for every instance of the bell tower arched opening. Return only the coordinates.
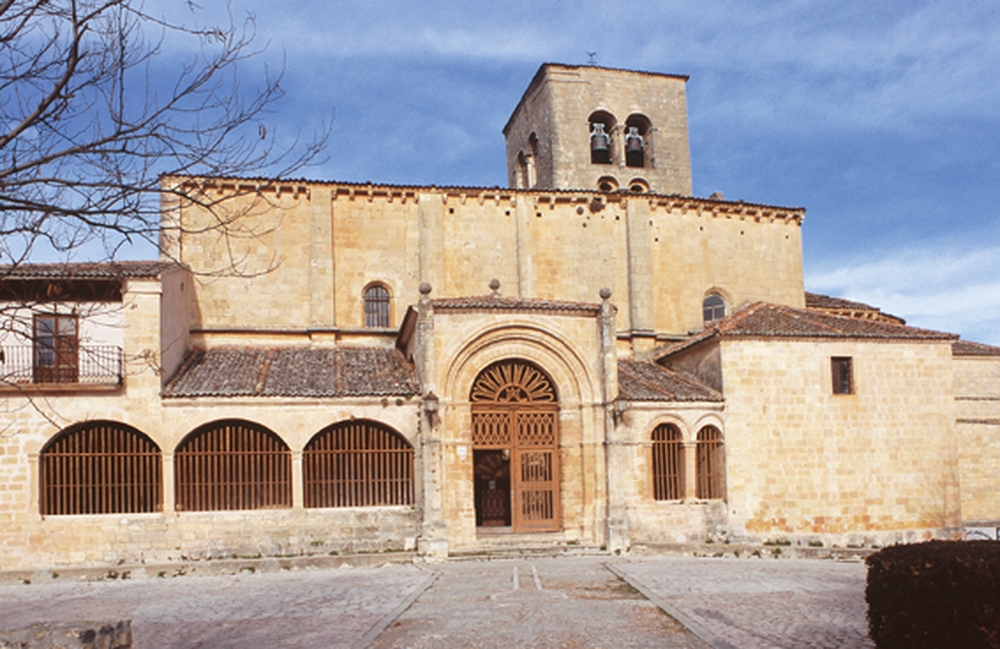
(515, 442)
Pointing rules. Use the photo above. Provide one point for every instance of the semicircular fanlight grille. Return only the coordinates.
(512, 381)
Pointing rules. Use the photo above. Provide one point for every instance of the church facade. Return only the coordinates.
(589, 357)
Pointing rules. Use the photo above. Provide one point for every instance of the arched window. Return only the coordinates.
(668, 463)
(522, 171)
(532, 161)
(358, 464)
(602, 126)
(638, 186)
(377, 307)
(607, 184)
(100, 467)
(711, 462)
(713, 308)
(637, 140)
(232, 464)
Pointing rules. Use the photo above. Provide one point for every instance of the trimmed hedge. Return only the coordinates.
(935, 595)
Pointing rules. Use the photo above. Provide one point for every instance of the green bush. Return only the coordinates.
(936, 595)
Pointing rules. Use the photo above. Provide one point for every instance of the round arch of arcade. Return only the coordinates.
(108, 467)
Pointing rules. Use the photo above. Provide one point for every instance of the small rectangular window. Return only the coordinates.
(842, 374)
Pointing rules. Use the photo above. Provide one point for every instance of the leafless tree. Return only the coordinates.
(101, 98)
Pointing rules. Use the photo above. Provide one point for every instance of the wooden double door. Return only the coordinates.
(515, 441)
(516, 468)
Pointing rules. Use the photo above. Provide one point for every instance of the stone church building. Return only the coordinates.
(589, 357)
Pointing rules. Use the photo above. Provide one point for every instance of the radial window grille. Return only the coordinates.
(100, 468)
(513, 381)
(358, 464)
(232, 465)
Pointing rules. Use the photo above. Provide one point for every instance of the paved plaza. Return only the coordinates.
(567, 602)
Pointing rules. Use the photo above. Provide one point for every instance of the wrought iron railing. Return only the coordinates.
(87, 364)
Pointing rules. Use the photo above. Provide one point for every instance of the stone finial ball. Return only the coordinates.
(425, 288)
(494, 284)
(605, 293)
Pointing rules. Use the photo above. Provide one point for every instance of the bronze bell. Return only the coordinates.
(598, 138)
(633, 141)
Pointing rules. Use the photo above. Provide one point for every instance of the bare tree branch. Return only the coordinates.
(91, 119)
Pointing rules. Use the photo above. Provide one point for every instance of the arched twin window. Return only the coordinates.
(608, 139)
(669, 460)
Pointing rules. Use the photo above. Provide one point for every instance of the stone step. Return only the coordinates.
(506, 546)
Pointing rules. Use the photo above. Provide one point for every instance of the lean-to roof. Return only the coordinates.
(646, 381)
(294, 372)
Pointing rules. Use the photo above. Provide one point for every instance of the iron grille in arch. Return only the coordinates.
(711, 461)
(358, 464)
(233, 465)
(101, 468)
(668, 463)
(512, 381)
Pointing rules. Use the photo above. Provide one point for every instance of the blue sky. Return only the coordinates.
(881, 119)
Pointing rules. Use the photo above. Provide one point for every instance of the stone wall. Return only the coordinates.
(660, 256)
(977, 401)
(876, 466)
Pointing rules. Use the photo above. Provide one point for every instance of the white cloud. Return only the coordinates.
(953, 290)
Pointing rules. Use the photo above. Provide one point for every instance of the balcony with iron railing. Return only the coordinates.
(41, 367)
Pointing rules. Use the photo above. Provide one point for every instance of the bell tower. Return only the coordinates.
(588, 127)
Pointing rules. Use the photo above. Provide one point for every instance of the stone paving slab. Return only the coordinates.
(540, 603)
(321, 608)
(570, 602)
(765, 603)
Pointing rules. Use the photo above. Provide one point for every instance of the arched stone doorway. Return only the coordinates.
(515, 441)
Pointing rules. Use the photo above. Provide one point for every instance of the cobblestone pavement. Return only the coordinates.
(565, 602)
(750, 603)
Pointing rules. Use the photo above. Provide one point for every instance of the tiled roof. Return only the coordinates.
(968, 348)
(840, 306)
(87, 270)
(766, 320)
(502, 303)
(642, 381)
(294, 372)
(818, 301)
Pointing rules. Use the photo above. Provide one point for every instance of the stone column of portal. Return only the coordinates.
(322, 287)
(640, 274)
(617, 535)
(433, 541)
